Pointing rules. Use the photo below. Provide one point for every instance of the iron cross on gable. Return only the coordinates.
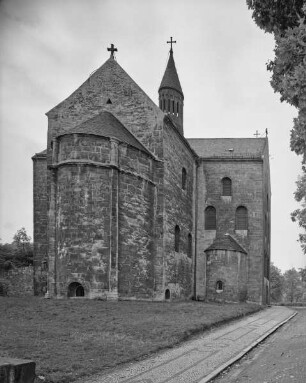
(112, 49)
(256, 134)
(171, 42)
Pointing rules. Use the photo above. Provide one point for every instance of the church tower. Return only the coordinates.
(171, 96)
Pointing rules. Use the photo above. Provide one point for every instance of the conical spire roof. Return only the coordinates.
(171, 79)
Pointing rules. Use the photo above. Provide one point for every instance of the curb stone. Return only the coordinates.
(233, 360)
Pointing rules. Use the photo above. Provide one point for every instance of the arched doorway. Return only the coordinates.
(167, 294)
(75, 289)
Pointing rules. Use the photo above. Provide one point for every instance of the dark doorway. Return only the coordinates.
(167, 294)
(75, 289)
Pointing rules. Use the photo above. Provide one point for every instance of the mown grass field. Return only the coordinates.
(72, 338)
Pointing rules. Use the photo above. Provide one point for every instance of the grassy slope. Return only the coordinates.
(71, 338)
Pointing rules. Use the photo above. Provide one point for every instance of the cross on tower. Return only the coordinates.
(112, 49)
(171, 42)
(257, 134)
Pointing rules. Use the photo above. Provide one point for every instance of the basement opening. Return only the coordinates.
(75, 289)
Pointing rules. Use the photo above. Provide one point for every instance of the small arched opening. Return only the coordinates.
(167, 294)
(75, 289)
(219, 286)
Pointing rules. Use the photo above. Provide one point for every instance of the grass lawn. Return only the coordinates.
(72, 338)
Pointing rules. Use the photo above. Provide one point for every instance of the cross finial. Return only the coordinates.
(112, 49)
(171, 42)
(256, 134)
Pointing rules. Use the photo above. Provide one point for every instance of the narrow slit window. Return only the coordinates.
(184, 178)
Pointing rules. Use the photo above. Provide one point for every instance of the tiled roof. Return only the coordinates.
(226, 242)
(170, 79)
(107, 125)
(228, 147)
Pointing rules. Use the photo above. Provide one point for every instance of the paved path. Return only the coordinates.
(199, 360)
(280, 359)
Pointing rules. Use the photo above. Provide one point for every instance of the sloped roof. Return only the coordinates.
(228, 147)
(170, 78)
(226, 242)
(106, 124)
(41, 154)
(110, 69)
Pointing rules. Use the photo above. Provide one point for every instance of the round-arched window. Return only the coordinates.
(219, 286)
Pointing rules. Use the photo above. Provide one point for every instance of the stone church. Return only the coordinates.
(126, 207)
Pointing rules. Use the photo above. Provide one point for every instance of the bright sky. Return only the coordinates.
(48, 48)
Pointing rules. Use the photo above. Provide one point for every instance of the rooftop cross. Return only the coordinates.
(171, 42)
(257, 134)
(112, 49)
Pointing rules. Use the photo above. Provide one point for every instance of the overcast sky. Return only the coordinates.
(49, 47)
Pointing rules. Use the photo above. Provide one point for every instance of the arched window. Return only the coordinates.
(177, 108)
(226, 186)
(164, 104)
(210, 218)
(241, 218)
(161, 104)
(167, 294)
(168, 105)
(173, 111)
(184, 178)
(189, 250)
(177, 233)
(219, 286)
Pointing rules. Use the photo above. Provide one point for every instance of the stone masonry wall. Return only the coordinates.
(136, 224)
(108, 89)
(83, 227)
(40, 223)
(104, 224)
(229, 267)
(178, 210)
(247, 187)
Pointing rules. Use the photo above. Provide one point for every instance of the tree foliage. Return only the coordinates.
(299, 215)
(286, 19)
(276, 284)
(18, 253)
(275, 16)
(293, 287)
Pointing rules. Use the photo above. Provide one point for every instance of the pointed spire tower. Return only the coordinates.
(171, 96)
